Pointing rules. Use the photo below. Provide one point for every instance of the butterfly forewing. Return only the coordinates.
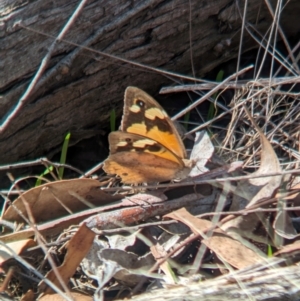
(127, 142)
(145, 117)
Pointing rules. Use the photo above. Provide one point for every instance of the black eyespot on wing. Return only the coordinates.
(154, 148)
(150, 148)
(140, 103)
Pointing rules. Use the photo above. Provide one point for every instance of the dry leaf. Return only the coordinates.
(202, 151)
(269, 164)
(197, 225)
(283, 224)
(289, 250)
(130, 268)
(232, 251)
(127, 216)
(53, 200)
(225, 247)
(249, 192)
(158, 253)
(103, 263)
(18, 247)
(75, 295)
(78, 247)
(28, 296)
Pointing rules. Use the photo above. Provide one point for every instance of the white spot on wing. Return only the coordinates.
(122, 143)
(135, 109)
(143, 142)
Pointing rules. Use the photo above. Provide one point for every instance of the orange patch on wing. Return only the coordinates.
(169, 140)
(128, 166)
(152, 113)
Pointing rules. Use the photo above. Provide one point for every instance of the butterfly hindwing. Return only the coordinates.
(137, 159)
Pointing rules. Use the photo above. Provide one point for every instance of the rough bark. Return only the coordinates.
(79, 88)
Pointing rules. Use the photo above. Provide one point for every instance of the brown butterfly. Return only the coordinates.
(147, 148)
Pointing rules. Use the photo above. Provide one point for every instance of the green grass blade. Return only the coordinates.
(112, 120)
(186, 119)
(212, 108)
(220, 76)
(39, 179)
(63, 155)
(270, 251)
(172, 274)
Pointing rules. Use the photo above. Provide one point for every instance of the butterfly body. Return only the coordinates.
(148, 147)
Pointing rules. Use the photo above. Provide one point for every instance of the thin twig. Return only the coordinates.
(24, 98)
